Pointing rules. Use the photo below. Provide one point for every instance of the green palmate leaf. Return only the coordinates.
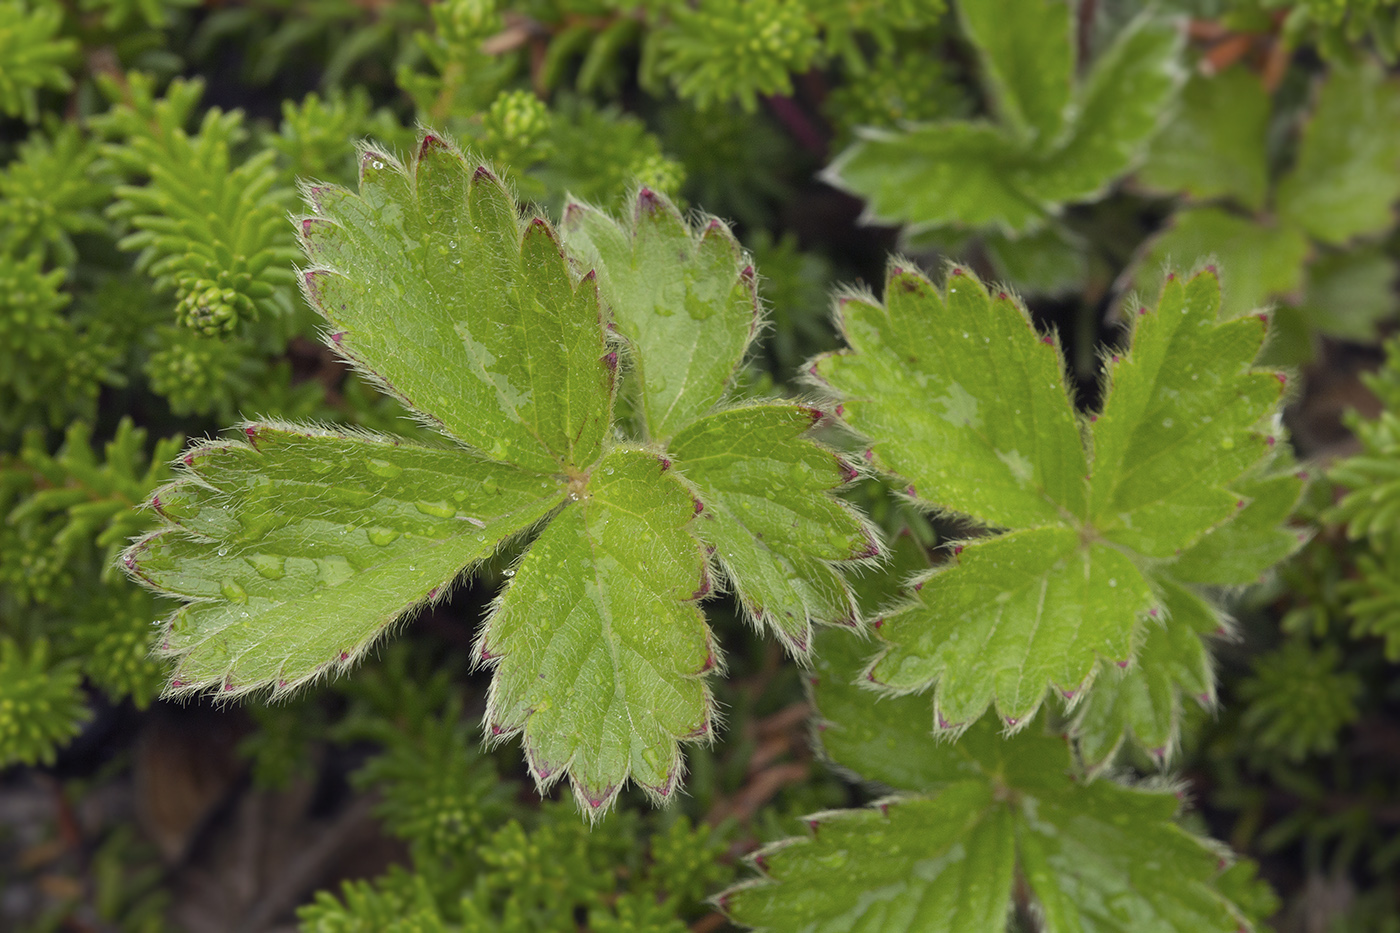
(965, 399)
(1345, 180)
(1144, 702)
(1257, 261)
(296, 547)
(597, 643)
(300, 548)
(687, 302)
(1027, 57)
(774, 529)
(442, 294)
(945, 853)
(1060, 143)
(1215, 145)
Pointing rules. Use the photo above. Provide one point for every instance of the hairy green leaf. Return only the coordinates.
(1350, 294)
(687, 302)
(1347, 176)
(300, 548)
(1144, 702)
(962, 396)
(440, 292)
(775, 530)
(597, 644)
(972, 817)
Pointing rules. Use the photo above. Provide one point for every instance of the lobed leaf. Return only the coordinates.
(686, 301)
(1016, 613)
(1181, 421)
(963, 398)
(775, 530)
(300, 548)
(960, 394)
(973, 816)
(1118, 111)
(598, 648)
(436, 288)
(1144, 702)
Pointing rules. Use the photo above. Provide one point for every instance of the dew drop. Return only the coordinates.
(378, 164)
(383, 468)
(270, 566)
(381, 536)
(508, 573)
(1112, 582)
(223, 552)
(437, 509)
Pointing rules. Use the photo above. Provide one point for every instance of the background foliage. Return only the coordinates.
(150, 153)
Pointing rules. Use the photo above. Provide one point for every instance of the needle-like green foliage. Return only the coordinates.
(32, 56)
(298, 547)
(1102, 519)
